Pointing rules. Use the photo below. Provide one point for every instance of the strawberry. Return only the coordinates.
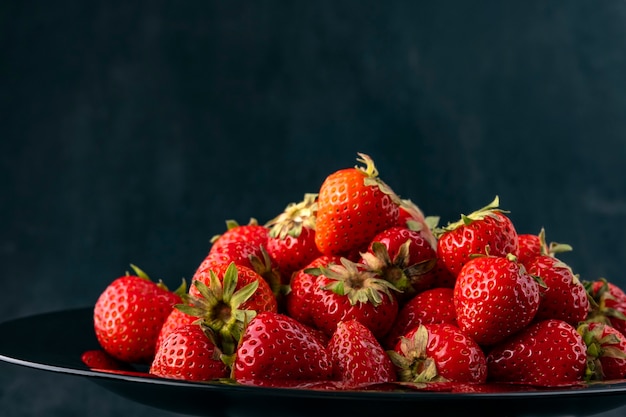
(608, 303)
(252, 232)
(547, 353)
(430, 353)
(435, 305)
(99, 360)
(563, 297)
(348, 291)
(412, 217)
(188, 353)
(129, 314)
(353, 205)
(531, 246)
(606, 351)
(176, 319)
(291, 242)
(487, 231)
(298, 299)
(358, 357)
(403, 257)
(494, 297)
(276, 347)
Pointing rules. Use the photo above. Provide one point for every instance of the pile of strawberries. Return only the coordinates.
(354, 288)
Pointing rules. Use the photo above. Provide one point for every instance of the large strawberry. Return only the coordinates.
(291, 242)
(547, 353)
(188, 353)
(563, 297)
(606, 351)
(494, 297)
(358, 357)
(438, 353)
(275, 347)
(353, 205)
(487, 231)
(129, 313)
(608, 303)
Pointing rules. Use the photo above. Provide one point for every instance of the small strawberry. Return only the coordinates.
(494, 297)
(435, 305)
(99, 360)
(432, 353)
(188, 353)
(275, 347)
(353, 205)
(531, 246)
(412, 217)
(348, 291)
(563, 297)
(606, 351)
(487, 231)
(548, 353)
(129, 314)
(252, 232)
(608, 303)
(358, 357)
(176, 319)
(291, 242)
(403, 257)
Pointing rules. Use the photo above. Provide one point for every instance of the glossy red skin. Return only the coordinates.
(614, 299)
(298, 300)
(128, 316)
(420, 250)
(457, 356)
(329, 308)
(175, 320)
(358, 357)
(612, 368)
(292, 253)
(188, 354)
(350, 213)
(251, 233)
(529, 248)
(263, 298)
(546, 353)
(238, 252)
(493, 298)
(456, 247)
(277, 347)
(99, 360)
(565, 297)
(435, 305)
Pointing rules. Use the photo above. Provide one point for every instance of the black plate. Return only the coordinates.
(55, 341)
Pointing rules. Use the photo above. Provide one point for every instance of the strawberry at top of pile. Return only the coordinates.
(354, 288)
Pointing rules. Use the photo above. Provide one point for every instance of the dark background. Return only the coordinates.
(129, 132)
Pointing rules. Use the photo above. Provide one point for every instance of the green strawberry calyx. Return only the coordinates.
(140, 273)
(218, 308)
(414, 364)
(489, 210)
(295, 217)
(599, 345)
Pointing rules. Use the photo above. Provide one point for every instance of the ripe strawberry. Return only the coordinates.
(608, 303)
(298, 299)
(129, 313)
(487, 231)
(291, 242)
(252, 232)
(358, 357)
(353, 205)
(493, 298)
(412, 217)
(176, 319)
(187, 353)
(547, 353)
(435, 305)
(403, 257)
(276, 347)
(563, 297)
(348, 291)
(439, 352)
(606, 351)
(531, 246)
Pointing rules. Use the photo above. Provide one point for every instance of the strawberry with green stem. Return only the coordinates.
(608, 303)
(531, 246)
(606, 351)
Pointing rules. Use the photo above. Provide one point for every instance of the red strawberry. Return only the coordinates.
(435, 305)
(547, 353)
(487, 231)
(176, 319)
(494, 297)
(349, 291)
(276, 347)
(403, 257)
(531, 246)
(187, 353)
(353, 205)
(358, 357)
(291, 243)
(608, 303)
(251, 232)
(298, 299)
(412, 217)
(99, 360)
(606, 351)
(129, 314)
(563, 297)
(440, 352)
